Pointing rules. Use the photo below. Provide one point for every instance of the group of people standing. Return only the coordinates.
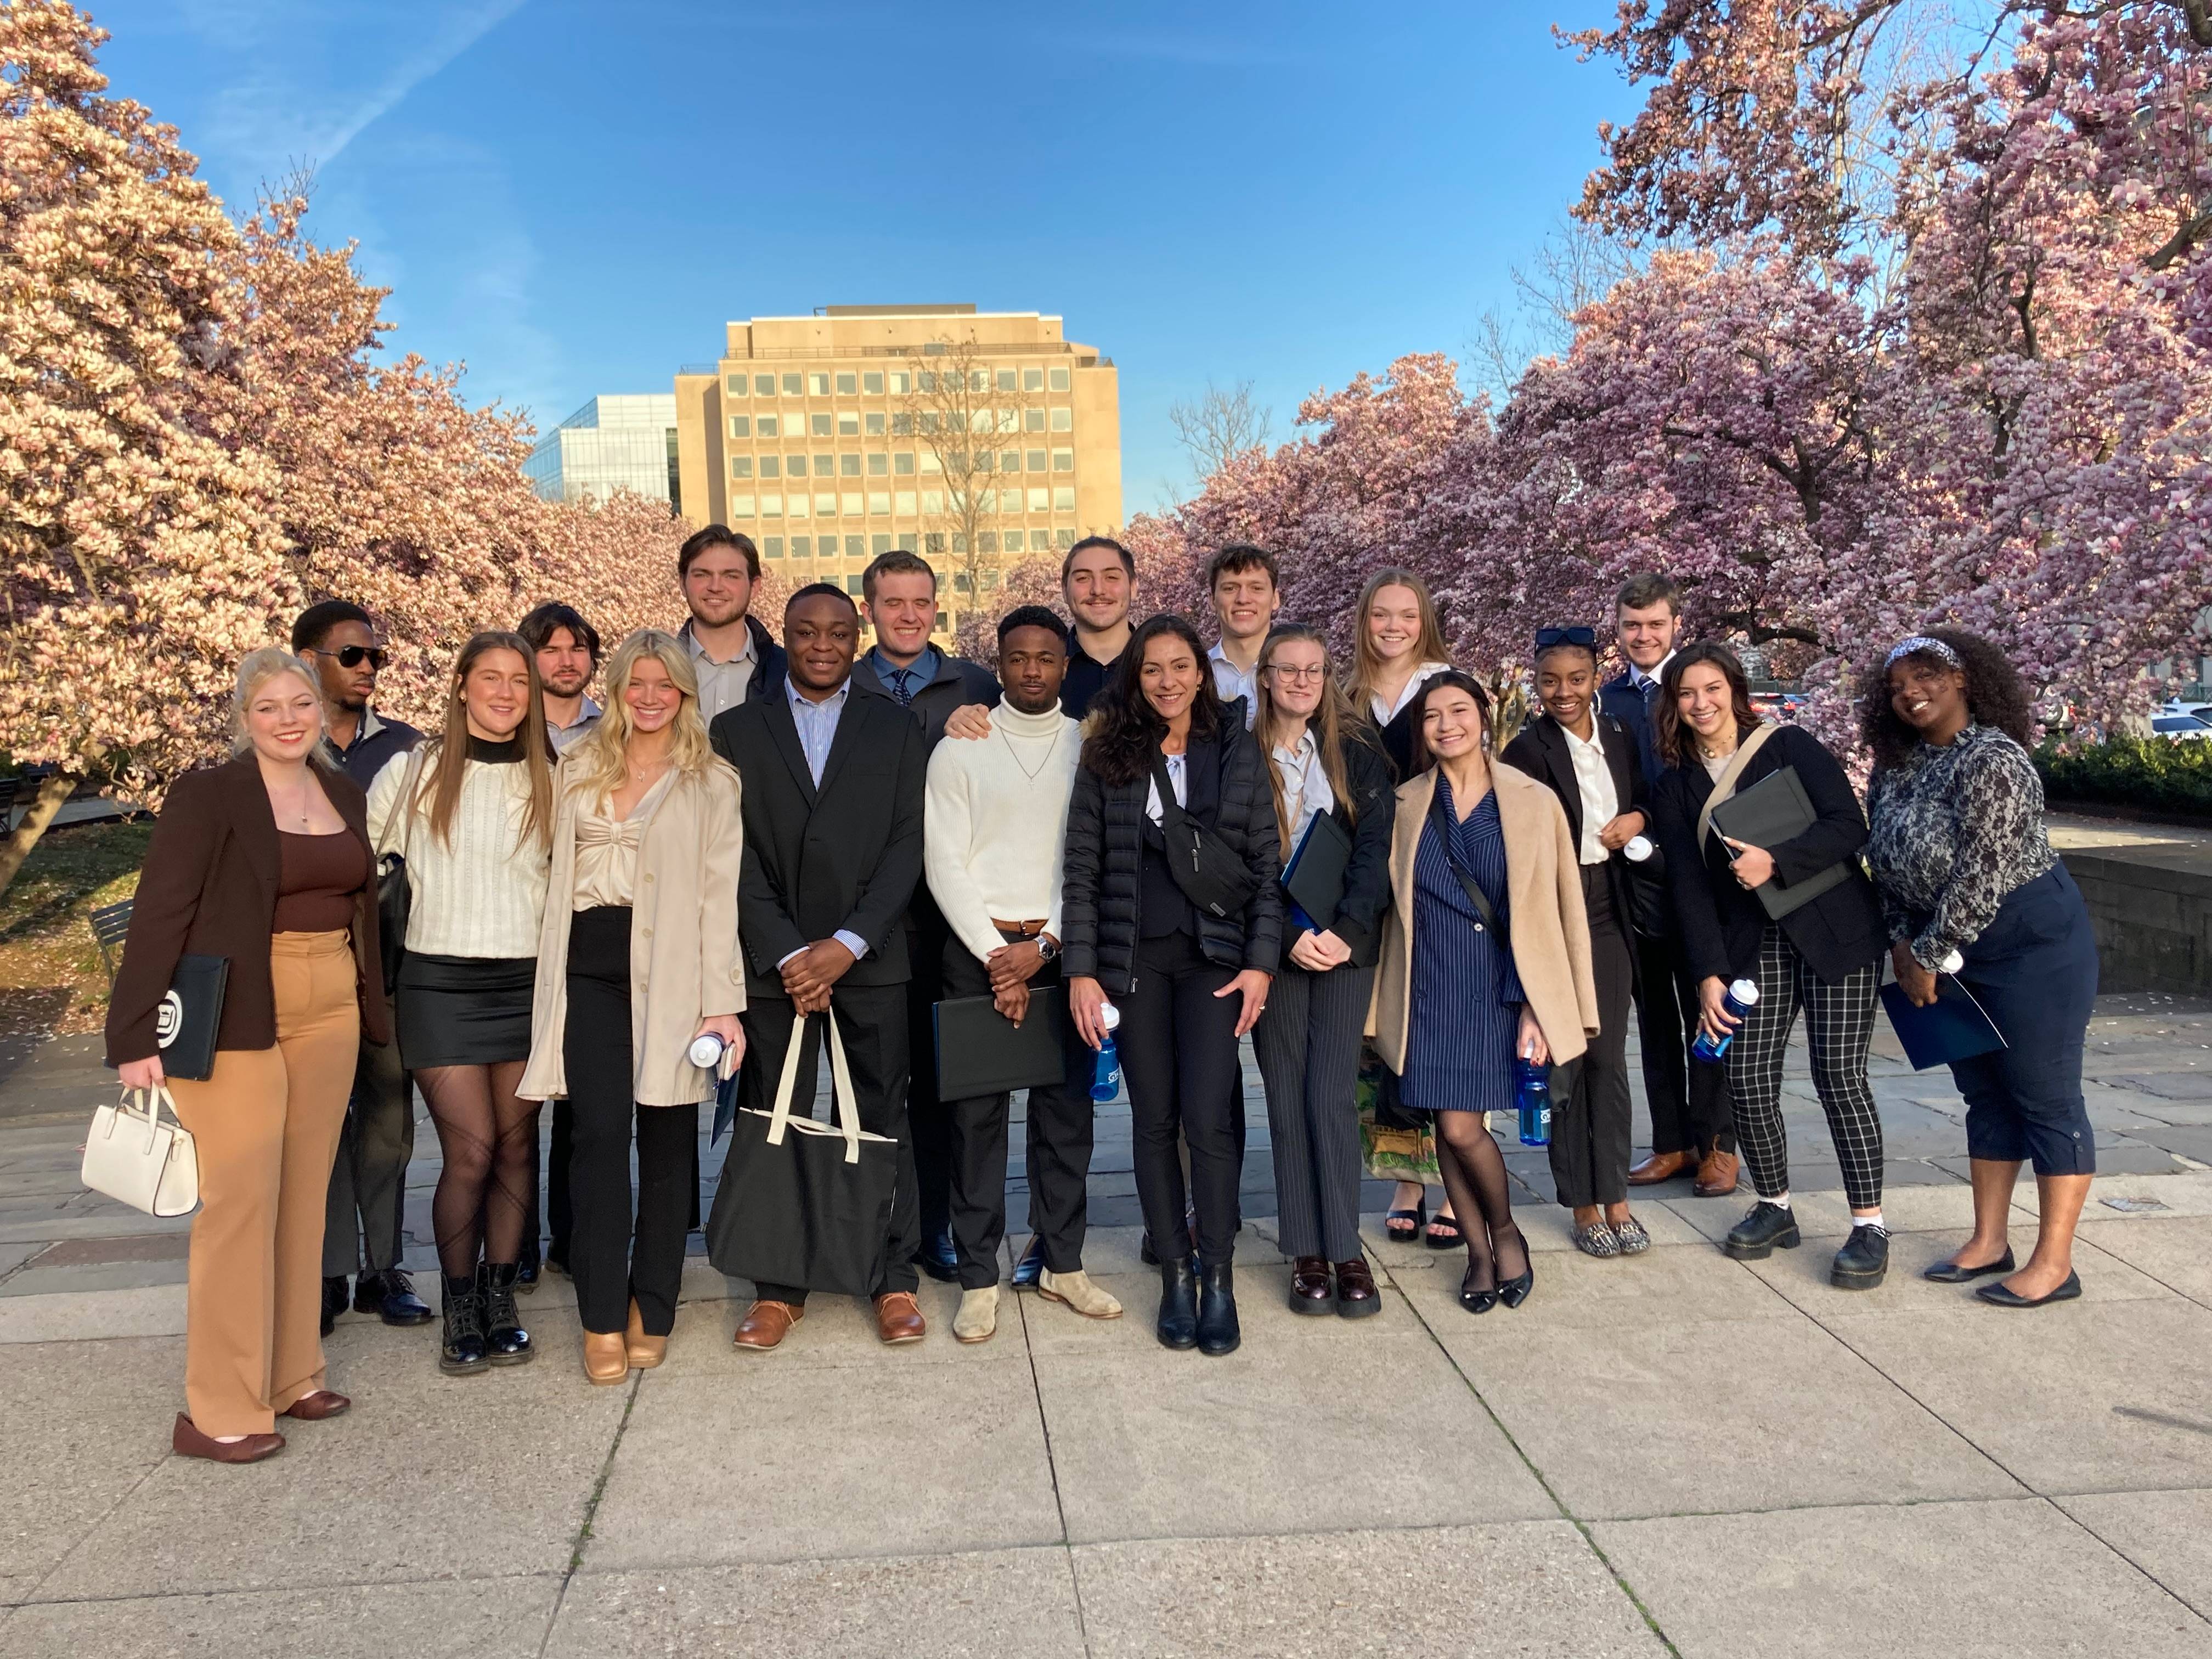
(624, 907)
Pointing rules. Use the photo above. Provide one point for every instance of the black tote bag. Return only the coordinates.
(802, 1203)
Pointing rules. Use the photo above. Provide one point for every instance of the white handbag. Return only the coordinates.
(137, 1155)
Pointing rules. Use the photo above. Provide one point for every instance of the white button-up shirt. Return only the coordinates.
(1305, 787)
(1232, 682)
(1600, 800)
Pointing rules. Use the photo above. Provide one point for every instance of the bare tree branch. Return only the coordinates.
(1219, 426)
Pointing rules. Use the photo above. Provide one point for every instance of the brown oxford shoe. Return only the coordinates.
(1310, 1290)
(315, 1407)
(1715, 1176)
(765, 1324)
(1661, 1166)
(898, 1318)
(186, 1441)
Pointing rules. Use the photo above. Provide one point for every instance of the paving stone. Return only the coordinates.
(2163, 1533)
(2175, 1250)
(85, 1424)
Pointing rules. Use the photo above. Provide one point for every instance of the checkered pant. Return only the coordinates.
(1838, 1025)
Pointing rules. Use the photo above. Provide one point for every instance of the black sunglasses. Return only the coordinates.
(1546, 638)
(351, 656)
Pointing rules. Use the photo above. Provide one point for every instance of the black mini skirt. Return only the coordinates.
(465, 1010)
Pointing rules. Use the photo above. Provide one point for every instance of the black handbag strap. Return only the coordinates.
(1475, 895)
(1171, 810)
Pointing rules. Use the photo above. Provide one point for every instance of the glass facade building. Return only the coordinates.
(626, 442)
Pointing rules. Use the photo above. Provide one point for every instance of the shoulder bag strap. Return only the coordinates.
(846, 1102)
(1730, 775)
(1475, 895)
(780, 1119)
(1171, 810)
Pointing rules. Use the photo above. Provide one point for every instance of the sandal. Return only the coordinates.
(1450, 1239)
(1415, 1219)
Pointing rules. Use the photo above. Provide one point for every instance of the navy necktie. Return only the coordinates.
(901, 687)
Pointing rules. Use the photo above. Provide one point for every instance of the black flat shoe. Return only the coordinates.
(1950, 1273)
(1474, 1301)
(1998, 1297)
(1514, 1290)
(1178, 1322)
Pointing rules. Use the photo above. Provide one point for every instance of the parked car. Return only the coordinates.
(2179, 728)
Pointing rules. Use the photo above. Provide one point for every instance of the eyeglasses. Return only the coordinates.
(1546, 638)
(1318, 671)
(352, 656)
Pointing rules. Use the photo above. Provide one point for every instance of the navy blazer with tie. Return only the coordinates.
(1638, 711)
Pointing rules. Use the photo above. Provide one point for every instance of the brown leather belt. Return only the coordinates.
(1020, 929)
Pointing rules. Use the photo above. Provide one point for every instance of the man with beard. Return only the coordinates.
(731, 651)
(567, 651)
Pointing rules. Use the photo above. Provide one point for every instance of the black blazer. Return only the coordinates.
(1540, 751)
(1359, 919)
(846, 855)
(958, 682)
(1103, 870)
(1720, 922)
(210, 889)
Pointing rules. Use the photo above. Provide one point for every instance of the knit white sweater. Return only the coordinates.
(995, 817)
(482, 894)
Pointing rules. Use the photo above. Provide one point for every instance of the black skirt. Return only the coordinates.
(465, 1010)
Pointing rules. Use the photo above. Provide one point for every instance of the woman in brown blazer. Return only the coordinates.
(1485, 961)
(265, 861)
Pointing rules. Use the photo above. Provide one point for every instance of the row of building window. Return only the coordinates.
(854, 424)
(902, 465)
(895, 382)
(878, 503)
(868, 547)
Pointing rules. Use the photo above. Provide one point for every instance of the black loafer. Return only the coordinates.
(1998, 1297)
(1950, 1273)
(1768, 1227)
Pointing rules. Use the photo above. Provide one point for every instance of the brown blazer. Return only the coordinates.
(1550, 934)
(210, 889)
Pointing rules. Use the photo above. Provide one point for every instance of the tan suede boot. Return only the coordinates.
(1076, 1291)
(978, 1318)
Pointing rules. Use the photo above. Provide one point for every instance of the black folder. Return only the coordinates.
(1953, 1027)
(1774, 810)
(980, 1052)
(1314, 877)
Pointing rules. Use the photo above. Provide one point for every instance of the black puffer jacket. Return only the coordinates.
(1103, 867)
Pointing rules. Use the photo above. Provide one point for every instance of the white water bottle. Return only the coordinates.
(707, 1050)
(1637, 848)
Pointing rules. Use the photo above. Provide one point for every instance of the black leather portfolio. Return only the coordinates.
(980, 1052)
(190, 1015)
(1315, 876)
(1774, 810)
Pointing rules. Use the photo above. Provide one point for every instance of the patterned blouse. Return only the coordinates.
(1954, 828)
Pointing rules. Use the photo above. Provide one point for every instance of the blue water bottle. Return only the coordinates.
(1739, 999)
(1532, 1093)
(1106, 1075)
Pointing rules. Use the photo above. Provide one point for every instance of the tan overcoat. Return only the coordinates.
(683, 960)
(1550, 934)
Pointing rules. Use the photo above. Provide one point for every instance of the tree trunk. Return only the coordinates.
(52, 793)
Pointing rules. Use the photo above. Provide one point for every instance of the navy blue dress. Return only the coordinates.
(1466, 998)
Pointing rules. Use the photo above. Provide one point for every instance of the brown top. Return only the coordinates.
(317, 879)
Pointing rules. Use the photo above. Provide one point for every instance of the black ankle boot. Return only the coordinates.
(505, 1343)
(1217, 1331)
(1178, 1326)
(462, 1353)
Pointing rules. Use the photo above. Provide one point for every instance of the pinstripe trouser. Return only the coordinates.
(1308, 1045)
(1839, 1026)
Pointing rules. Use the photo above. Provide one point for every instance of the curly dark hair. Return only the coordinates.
(1122, 731)
(1995, 695)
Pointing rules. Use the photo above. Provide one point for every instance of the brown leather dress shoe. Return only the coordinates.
(315, 1407)
(644, 1351)
(765, 1324)
(1356, 1295)
(1661, 1166)
(898, 1318)
(605, 1360)
(1715, 1176)
(1310, 1290)
(186, 1441)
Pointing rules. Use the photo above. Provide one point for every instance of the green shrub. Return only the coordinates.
(2156, 774)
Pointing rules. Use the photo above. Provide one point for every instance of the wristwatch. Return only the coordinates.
(1047, 948)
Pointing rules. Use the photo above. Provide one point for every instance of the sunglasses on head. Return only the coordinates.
(1546, 638)
(352, 656)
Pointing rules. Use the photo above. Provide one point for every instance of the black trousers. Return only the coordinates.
(1593, 1122)
(362, 1217)
(927, 1117)
(617, 1252)
(1308, 1045)
(549, 1212)
(1059, 1154)
(1689, 1102)
(873, 1021)
(1178, 1047)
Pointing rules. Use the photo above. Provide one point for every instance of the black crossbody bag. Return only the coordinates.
(1211, 877)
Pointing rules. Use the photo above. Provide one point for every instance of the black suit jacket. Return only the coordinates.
(1720, 921)
(1540, 751)
(845, 856)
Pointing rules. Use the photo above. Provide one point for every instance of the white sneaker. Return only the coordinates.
(1076, 1291)
(978, 1318)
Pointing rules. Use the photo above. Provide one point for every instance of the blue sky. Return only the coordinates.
(573, 197)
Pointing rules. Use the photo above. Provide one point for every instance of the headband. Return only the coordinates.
(1914, 645)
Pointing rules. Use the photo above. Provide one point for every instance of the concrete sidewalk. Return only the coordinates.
(1675, 1453)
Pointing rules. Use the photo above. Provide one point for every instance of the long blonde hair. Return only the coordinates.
(1367, 666)
(1334, 722)
(599, 758)
(255, 670)
(442, 783)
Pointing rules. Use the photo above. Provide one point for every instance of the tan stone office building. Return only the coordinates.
(817, 437)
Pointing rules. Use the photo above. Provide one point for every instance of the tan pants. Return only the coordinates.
(267, 1127)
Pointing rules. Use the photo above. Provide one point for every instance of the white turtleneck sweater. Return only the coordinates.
(995, 822)
(481, 893)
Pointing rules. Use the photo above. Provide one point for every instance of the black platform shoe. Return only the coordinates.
(1768, 1227)
(1217, 1330)
(1863, 1261)
(1178, 1326)
(462, 1352)
(505, 1343)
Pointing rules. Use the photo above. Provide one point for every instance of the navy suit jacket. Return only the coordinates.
(1619, 698)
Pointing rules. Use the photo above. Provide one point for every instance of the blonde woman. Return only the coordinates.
(265, 861)
(638, 959)
(472, 812)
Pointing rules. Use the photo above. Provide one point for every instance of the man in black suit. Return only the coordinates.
(1692, 1131)
(832, 792)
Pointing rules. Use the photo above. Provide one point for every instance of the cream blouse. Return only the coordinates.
(606, 847)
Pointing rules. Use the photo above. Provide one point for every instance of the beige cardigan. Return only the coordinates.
(1544, 913)
(683, 960)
